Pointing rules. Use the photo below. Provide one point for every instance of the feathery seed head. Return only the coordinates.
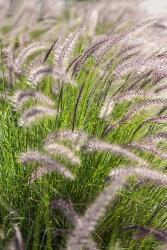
(142, 173)
(34, 114)
(22, 96)
(98, 145)
(58, 149)
(63, 77)
(141, 64)
(148, 148)
(100, 48)
(63, 52)
(155, 138)
(108, 45)
(9, 58)
(25, 53)
(111, 101)
(48, 165)
(45, 170)
(37, 74)
(142, 105)
(107, 108)
(78, 138)
(160, 119)
(66, 208)
(17, 239)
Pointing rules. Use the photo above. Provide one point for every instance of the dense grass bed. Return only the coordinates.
(26, 204)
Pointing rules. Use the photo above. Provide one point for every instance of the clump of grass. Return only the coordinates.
(92, 123)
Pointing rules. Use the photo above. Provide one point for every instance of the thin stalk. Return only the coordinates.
(76, 105)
